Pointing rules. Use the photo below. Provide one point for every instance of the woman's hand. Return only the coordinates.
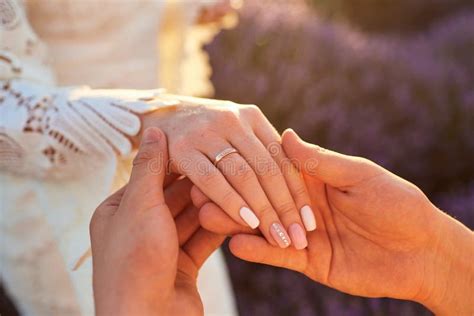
(378, 235)
(256, 186)
(147, 245)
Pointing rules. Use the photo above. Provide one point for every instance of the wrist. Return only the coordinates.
(449, 272)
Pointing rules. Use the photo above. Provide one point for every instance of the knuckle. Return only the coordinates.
(207, 131)
(253, 110)
(367, 166)
(227, 195)
(144, 155)
(180, 144)
(300, 190)
(228, 104)
(364, 162)
(244, 173)
(274, 149)
(286, 209)
(266, 211)
(93, 222)
(209, 179)
(253, 113)
(102, 205)
(230, 118)
(206, 125)
(268, 168)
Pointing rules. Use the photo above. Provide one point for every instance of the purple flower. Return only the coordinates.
(404, 101)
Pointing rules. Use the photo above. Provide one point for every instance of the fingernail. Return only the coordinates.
(307, 215)
(298, 236)
(279, 234)
(151, 135)
(249, 217)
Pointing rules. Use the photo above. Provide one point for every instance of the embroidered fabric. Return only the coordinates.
(64, 132)
(47, 131)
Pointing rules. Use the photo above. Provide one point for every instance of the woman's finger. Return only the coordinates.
(272, 181)
(214, 219)
(244, 180)
(212, 183)
(272, 141)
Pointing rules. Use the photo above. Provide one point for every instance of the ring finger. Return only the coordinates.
(244, 180)
(274, 184)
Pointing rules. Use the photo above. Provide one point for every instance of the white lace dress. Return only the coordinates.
(61, 147)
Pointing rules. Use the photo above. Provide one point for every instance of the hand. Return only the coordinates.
(255, 187)
(378, 235)
(144, 263)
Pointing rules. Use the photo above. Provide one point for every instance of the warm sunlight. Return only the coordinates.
(236, 157)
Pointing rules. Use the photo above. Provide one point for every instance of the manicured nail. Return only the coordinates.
(308, 218)
(151, 135)
(298, 236)
(249, 217)
(280, 235)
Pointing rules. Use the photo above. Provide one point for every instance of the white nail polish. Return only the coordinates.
(249, 217)
(308, 218)
(280, 235)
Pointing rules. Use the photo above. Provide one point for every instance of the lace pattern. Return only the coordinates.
(62, 132)
(52, 132)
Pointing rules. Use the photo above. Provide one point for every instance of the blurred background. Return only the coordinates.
(392, 81)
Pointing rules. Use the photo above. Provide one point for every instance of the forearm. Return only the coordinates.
(449, 279)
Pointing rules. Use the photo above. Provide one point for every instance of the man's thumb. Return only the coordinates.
(335, 169)
(149, 169)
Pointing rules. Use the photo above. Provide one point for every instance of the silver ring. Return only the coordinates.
(224, 153)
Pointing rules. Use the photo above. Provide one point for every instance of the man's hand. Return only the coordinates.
(143, 262)
(378, 235)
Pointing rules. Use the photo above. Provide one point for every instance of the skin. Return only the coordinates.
(214, 13)
(378, 235)
(255, 177)
(147, 245)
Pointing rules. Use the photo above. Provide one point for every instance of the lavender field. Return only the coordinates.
(391, 81)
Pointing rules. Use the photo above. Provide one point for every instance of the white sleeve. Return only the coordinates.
(58, 132)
